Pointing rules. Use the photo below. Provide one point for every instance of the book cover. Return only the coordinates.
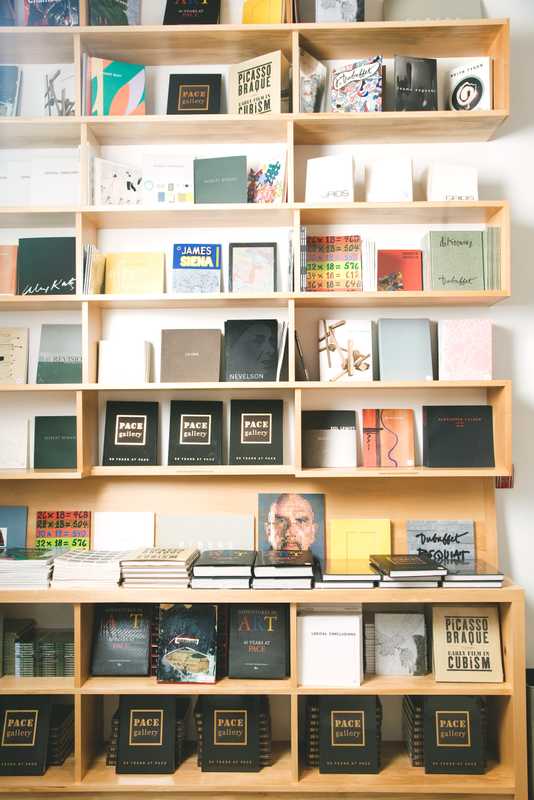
(189, 355)
(135, 273)
(456, 261)
(349, 734)
(13, 356)
(221, 180)
(260, 85)
(232, 737)
(388, 437)
(147, 735)
(51, 13)
(131, 434)
(205, 531)
(458, 436)
(250, 349)
(196, 432)
(117, 88)
(62, 529)
(291, 522)
(256, 432)
(59, 94)
(266, 179)
(60, 354)
(192, 12)
(330, 179)
(472, 569)
(8, 13)
(312, 83)
(465, 349)
(55, 181)
(276, 563)
(116, 12)
(345, 350)
(451, 182)
(194, 94)
(337, 11)
(467, 644)
(121, 640)
(122, 530)
(14, 433)
(196, 268)
(402, 565)
(357, 86)
(46, 265)
(124, 362)
(444, 540)
(400, 270)
(454, 735)
(25, 723)
(188, 647)
(252, 267)
(416, 84)
(400, 10)
(259, 642)
(55, 443)
(389, 180)
(471, 86)
(334, 264)
(329, 439)
(116, 184)
(221, 563)
(168, 179)
(263, 12)
(10, 80)
(8, 268)
(13, 524)
(357, 538)
(400, 644)
(404, 348)
(338, 634)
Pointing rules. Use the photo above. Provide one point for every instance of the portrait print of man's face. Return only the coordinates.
(291, 522)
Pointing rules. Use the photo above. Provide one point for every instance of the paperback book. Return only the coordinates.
(116, 184)
(266, 179)
(13, 525)
(337, 11)
(471, 86)
(13, 356)
(252, 267)
(445, 541)
(400, 644)
(192, 12)
(220, 180)
(196, 268)
(388, 437)
(455, 261)
(8, 268)
(196, 432)
(354, 539)
(124, 362)
(116, 12)
(10, 83)
(55, 443)
(330, 179)
(46, 265)
(416, 84)
(357, 86)
(168, 179)
(117, 88)
(338, 633)
(334, 263)
(190, 356)
(131, 434)
(465, 349)
(400, 270)
(312, 83)
(467, 644)
(51, 13)
(404, 349)
(135, 273)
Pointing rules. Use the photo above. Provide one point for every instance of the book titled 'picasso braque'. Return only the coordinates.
(256, 432)
(131, 434)
(260, 85)
(467, 644)
(258, 642)
(195, 435)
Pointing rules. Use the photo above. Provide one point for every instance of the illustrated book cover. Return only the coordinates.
(357, 86)
(388, 437)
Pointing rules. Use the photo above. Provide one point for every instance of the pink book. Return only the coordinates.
(465, 348)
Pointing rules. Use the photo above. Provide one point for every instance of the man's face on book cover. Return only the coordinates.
(291, 523)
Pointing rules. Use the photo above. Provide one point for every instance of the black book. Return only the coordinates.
(55, 443)
(190, 649)
(25, 725)
(259, 642)
(472, 570)
(121, 644)
(250, 349)
(458, 436)
(147, 728)
(416, 84)
(407, 566)
(284, 563)
(196, 432)
(256, 432)
(455, 735)
(194, 94)
(231, 733)
(349, 734)
(192, 12)
(46, 265)
(131, 434)
(329, 439)
(225, 563)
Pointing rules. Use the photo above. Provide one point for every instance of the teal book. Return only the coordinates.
(221, 180)
(55, 443)
(60, 354)
(117, 88)
(13, 524)
(46, 265)
(456, 261)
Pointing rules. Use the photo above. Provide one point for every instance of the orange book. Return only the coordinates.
(8, 268)
(388, 437)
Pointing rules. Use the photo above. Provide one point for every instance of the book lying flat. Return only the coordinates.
(411, 566)
(231, 563)
(283, 563)
(473, 569)
(349, 570)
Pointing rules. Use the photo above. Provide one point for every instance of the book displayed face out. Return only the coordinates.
(194, 94)
(131, 434)
(24, 728)
(253, 267)
(196, 430)
(291, 522)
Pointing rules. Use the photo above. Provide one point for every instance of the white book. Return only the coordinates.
(451, 182)
(345, 350)
(168, 179)
(14, 439)
(16, 177)
(338, 635)
(55, 182)
(389, 180)
(206, 531)
(330, 179)
(471, 86)
(115, 184)
(124, 362)
(122, 530)
(13, 356)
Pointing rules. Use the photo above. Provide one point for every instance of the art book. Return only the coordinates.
(416, 84)
(471, 86)
(334, 264)
(458, 436)
(189, 649)
(467, 644)
(60, 354)
(51, 13)
(8, 268)
(266, 180)
(196, 268)
(116, 184)
(400, 270)
(465, 349)
(455, 733)
(62, 529)
(329, 439)
(13, 356)
(260, 85)
(24, 726)
(46, 265)
(120, 12)
(13, 524)
(253, 267)
(55, 443)
(355, 539)
(444, 540)
(194, 94)
(121, 644)
(357, 86)
(256, 432)
(339, 11)
(289, 521)
(192, 12)
(330, 179)
(388, 437)
(400, 644)
(117, 88)
(10, 81)
(167, 179)
(131, 434)
(345, 350)
(312, 83)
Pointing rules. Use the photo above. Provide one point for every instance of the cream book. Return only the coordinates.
(389, 180)
(260, 85)
(122, 530)
(345, 350)
(467, 644)
(330, 179)
(96, 275)
(135, 273)
(124, 362)
(13, 356)
(451, 182)
(14, 449)
(349, 539)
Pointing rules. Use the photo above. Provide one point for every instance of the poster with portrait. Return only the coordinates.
(291, 522)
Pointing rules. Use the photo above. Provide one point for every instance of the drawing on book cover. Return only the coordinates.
(265, 183)
(349, 359)
(357, 86)
(400, 644)
(57, 86)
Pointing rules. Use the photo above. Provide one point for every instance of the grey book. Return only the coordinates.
(444, 540)
(456, 261)
(189, 355)
(60, 354)
(395, 10)
(221, 180)
(400, 644)
(329, 439)
(405, 352)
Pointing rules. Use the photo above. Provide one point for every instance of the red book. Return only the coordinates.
(400, 270)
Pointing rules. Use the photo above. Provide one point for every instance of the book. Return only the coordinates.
(337, 11)
(451, 182)
(153, 567)
(465, 349)
(55, 443)
(277, 563)
(291, 522)
(25, 568)
(8, 13)
(404, 350)
(51, 13)
(250, 349)
(135, 273)
(121, 640)
(416, 84)
(252, 267)
(355, 570)
(260, 85)
(357, 538)
(116, 12)
(234, 733)
(10, 83)
(190, 355)
(206, 531)
(455, 261)
(258, 642)
(400, 270)
(330, 179)
(388, 437)
(396, 10)
(349, 734)
(220, 583)
(467, 644)
(280, 583)
(8, 268)
(55, 181)
(196, 268)
(400, 644)
(122, 530)
(340, 635)
(116, 184)
(13, 524)
(266, 178)
(301, 370)
(225, 563)
(117, 87)
(60, 92)
(131, 434)
(312, 83)
(473, 569)
(62, 529)
(25, 724)
(181, 706)
(87, 569)
(46, 265)
(407, 566)
(196, 432)
(15, 437)
(188, 648)
(124, 362)
(329, 439)
(389, 180)
(60, 354)
(455, 735)
(334, 264)
(471, 86)
(193, 12)
(412, 728)
(262, 12)
(357, 86)
(147, 730)
(194, 94)
(221, 180)
(256, 432)
(168, 179)
(345, 350)
(13, 356)
(458, 436)
(443, 540)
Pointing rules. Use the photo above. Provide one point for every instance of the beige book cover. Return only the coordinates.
(8, 268)
(97, 275)
(467, 644)
(358, 538)
(260, 85)
(188, 356)
(13, 356)
(135, 273)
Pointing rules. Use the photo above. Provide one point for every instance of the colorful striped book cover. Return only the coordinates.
(117, 88)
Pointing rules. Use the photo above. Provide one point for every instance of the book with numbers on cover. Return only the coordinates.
(63, 529)
(334, 264)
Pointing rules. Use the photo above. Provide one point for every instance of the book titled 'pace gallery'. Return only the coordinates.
(131, 434)
(349, 734)
(24, 726)
(147, 728)
(455, 735)
(195, 435)
(256, 432)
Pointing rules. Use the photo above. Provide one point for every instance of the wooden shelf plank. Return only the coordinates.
(199, 215)
(258, 385)
(227, 686)
(39, 474)
(9, 684)
(31, 303)
(402, 472)
(166, 471)
(417, 212)
(222, 300)
(44, 131)
(391, 299)
(424, 685)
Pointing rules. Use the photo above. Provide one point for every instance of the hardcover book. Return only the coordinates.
(389, 180)
(168, 179)
(260, 85)
(221, 180)
(455, 735)
(13, 356)
(60, 354)
(116, 184)
(62, 529)
(400, 270)
(266, 178)
(402, 565)
(456, 261)
(467, 644)
(135, 273)
(196, 432)
(338, 633)
(330, 179)
(400, 644)
(8, 268)
(13, 524)
(465, 349)
(189, 651)
(263, 12)
(252, 267)
(192, 12)
(337, 11)
(405, 352)
(451, 182)
(10, 81)
(232, 734)
(345, 350)
(259, 642)
(25, 723)
(55, 443)
(14, 434)
(121, 641)
(291, 523)
(458, 436)
(334, 263)
(357, 86)
(329, 439)
(388, 437)
(471, 86)
(194, 94)
(8, 13)
(131, 434)
(443, 540)
(46, 265)
(250, 349)
(190, 356)
(357, 538)
(147, 735)
(349, 734)
(116, 12)
(416, 84)
(256, 432)
(51, 13)
(196, 268)
(117, 88)
(225, 563)
(277, 563)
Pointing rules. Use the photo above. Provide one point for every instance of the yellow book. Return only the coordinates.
(135, 273)
(358, 538)
(260, 12)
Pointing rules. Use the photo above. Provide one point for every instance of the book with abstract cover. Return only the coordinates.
(465, 349)
(345, 350)
(189, 651)
(357, 86)
(10, 81)
(400, 644)
(51, 13)
(62, 529)
(117, 88)
(196, 268)
(116, 184)
(388, 437)
(266, 181)
(167, 179)
(13, 356)
(334, 264)
(119, 12)
(400, 270)
(339, 11)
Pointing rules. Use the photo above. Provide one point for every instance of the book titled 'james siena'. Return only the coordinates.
(467, 644)
(250, 349)
(147, 735)
(349, 734)
(122, 640)
(131, 434)
(454, 735)
(24, 726)
(195, 434)
(256, 432)
(259, 644)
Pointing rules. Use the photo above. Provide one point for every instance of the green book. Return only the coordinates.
(456, 261)
(221, 180)
(60, 354)
(46, 265)
(55, 443)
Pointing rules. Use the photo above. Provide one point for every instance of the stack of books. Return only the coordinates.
(158, 566)
(347, 574)
(15, 631)
(223, 569)
(412, 729)
(472, 574)
(61, 735)
(283, 569)
(25, 568)
(87, 569)
(54, 653)
(407, 571)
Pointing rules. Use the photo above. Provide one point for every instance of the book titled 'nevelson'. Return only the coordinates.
(131, 434)
(256, 432)
(250, 349)
(195, 435)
